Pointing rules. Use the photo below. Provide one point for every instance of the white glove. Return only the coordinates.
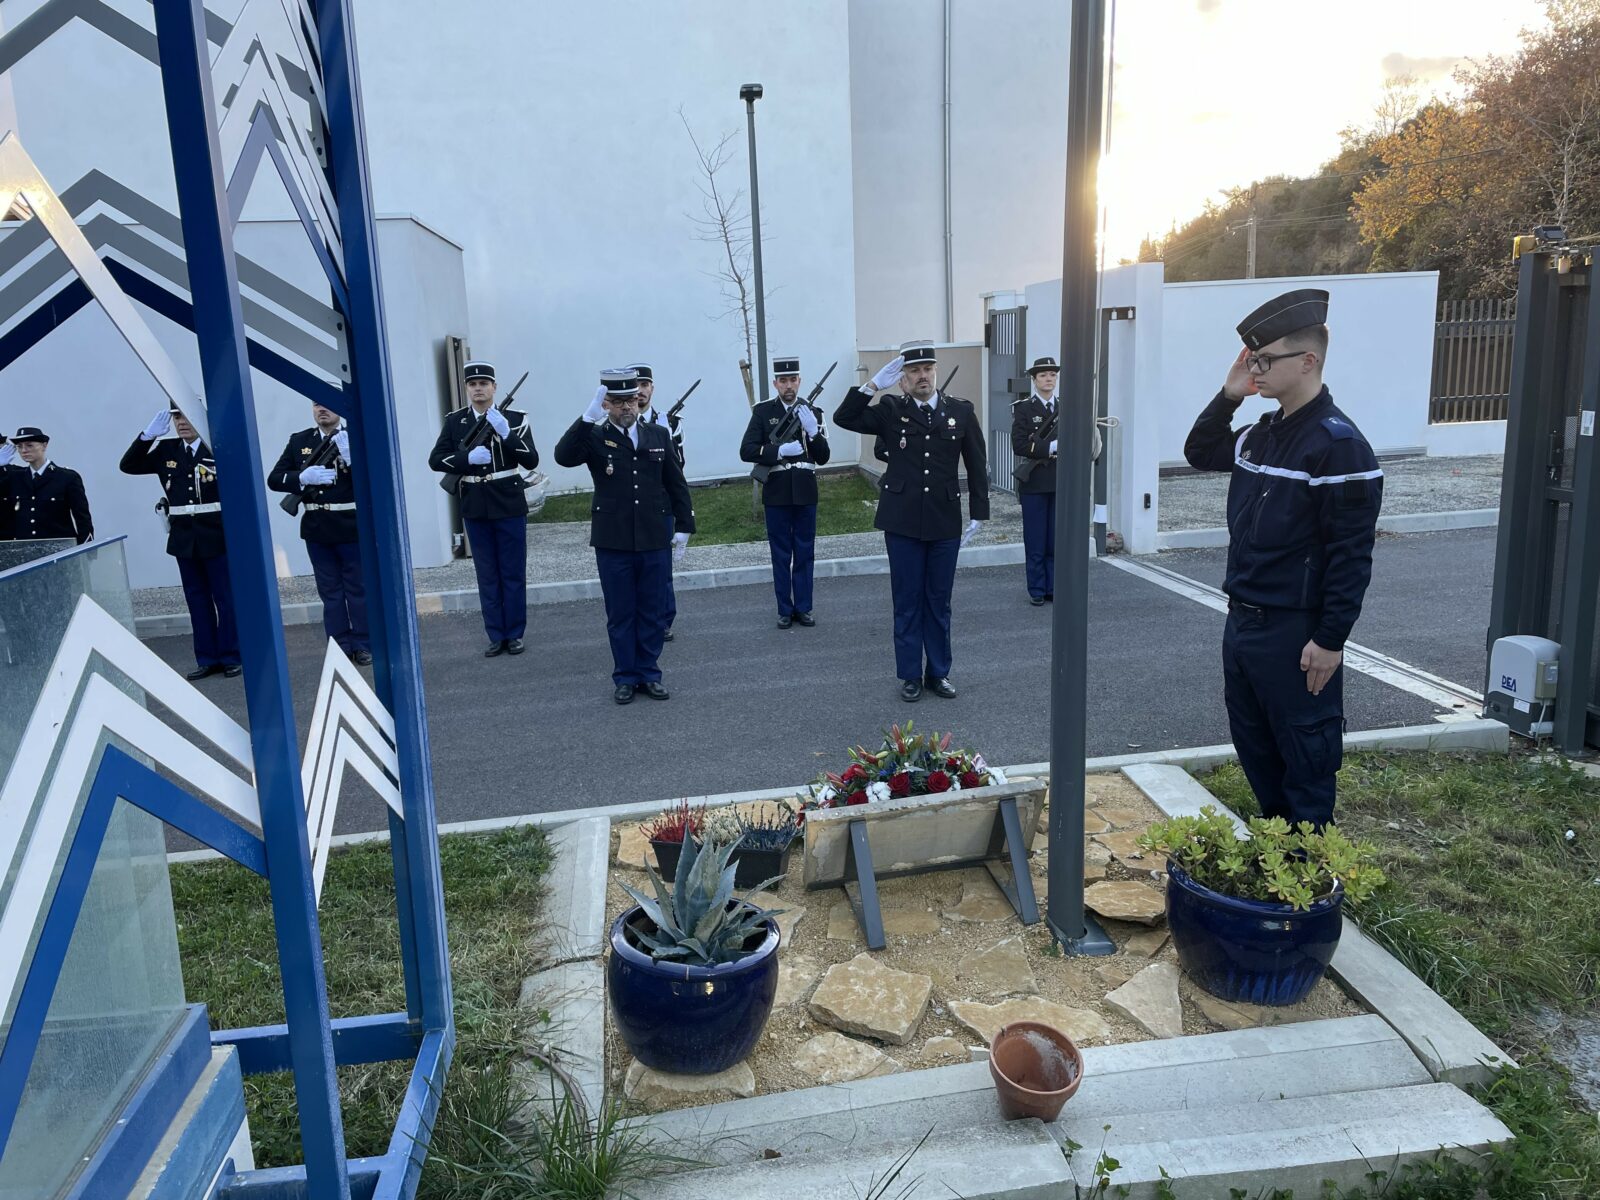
(159, 428)
(479, 456)
(342, 440)
(680, 545)
(317, 476)
(808, 419)
(889, 374)
(8, 455)
(498, 423)
(1052, 447)
(972, 529)
(596, 412)
(791, 450)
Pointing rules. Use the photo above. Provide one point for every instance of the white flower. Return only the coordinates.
(955, 783)
(827, 793)
(996, 775)
(878, 791)
(1571, 834)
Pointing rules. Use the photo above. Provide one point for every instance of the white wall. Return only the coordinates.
(1380, 351)
(1008, 157)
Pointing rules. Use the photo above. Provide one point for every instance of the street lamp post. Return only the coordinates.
(750, 93)
(1070, 924)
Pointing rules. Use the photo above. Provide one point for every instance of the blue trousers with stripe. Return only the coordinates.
(792, 538)
(637, 585)
(1039, 541)
(500, 558)
(337, 567)
(922, 575)
(209, 595)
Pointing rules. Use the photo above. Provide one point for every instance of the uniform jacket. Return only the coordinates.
(921, 494)
(788, 483)
(643, 499)
(186, 479)
(317, 524)
(651, 416)
(484, 498)
(1302, 509)
(1031, 435)
(53, 505)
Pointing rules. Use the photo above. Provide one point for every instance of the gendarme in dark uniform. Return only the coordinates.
(1302, 513)
(41, 499)
(787, 439)
(489, 449)
(640, 519)
(315, 466)
(171, 450)
(929, 436)
(649, 414)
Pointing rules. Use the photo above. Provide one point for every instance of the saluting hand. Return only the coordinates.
(8, 455)
(497, 422)
(807, 418)
(160, 426)
(596, 412)
(890, 372)
(1319, 666)
(1240, 382)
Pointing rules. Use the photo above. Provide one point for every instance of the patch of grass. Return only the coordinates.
(723, 513)
(1498, 910)
(493, 887)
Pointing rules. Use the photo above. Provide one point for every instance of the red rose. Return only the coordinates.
(971, 779)
(938, 781)
(854, 772)
(952, 764)
(900, 785)
(856, 798)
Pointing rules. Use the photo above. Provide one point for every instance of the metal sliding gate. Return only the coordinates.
(1005, 342)
(1547, 560)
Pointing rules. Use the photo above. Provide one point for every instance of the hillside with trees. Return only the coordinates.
(1438, 185)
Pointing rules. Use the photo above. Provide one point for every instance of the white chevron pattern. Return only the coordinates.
(80, 708)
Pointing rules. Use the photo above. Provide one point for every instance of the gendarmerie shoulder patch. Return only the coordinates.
(1338, 428)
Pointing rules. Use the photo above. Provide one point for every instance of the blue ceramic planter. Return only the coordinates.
(1250, 950)
(685, 1019)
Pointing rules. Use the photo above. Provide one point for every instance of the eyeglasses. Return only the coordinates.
(1262, 363)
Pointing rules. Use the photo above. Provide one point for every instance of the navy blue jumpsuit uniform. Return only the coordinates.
(919, 511)
(789, 498)
(640, 500)
(1302, 513)
(328, 528)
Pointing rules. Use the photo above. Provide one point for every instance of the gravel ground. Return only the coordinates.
(1410, 485)
(558, 553)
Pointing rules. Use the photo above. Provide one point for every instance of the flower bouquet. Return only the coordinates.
(907, 764)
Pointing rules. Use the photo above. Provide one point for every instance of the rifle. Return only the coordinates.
(880, 444)
(452, 483)
(1025, 467)
(291, 503)
(672, 413)
(786, 429)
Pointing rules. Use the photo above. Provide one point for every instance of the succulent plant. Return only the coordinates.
(698, 920)
(771, 827)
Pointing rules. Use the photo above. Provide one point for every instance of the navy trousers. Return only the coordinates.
(500, 557)
(209, 595)
(1039, 541)
(792, 538)
(337, 568)
(922, 574)
(637, 585)
(1290, 742)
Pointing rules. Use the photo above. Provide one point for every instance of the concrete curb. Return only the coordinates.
(1448, 1045)
(1435, 522)
(1003, 554)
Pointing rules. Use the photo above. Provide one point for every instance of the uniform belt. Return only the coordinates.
(513, 472)
(795, 466)
(192, 510)
(350, 507)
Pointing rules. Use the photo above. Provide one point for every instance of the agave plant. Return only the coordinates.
(696, 920)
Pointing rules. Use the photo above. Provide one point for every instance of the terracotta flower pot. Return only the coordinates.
(1036, 1069)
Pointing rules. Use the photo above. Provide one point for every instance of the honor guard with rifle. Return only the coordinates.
(787, 440)
(1303, 506)
(673, 422)
(640, 523)
(172, 451)
(314, 471)
(1034, 422)
(930, 436)
(41, 499)
(484, 450)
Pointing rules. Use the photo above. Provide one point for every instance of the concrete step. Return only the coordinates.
(1018, 1160)
(1290, 1144)
(1315, 1058)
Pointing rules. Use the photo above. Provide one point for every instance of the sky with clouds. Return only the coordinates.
(1211, 94)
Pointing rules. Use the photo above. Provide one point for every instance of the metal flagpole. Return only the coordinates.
(1075, 929)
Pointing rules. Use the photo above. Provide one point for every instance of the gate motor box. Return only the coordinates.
(1522, 684)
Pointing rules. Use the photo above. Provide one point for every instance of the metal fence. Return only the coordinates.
(1006, 340)
(1472, 347)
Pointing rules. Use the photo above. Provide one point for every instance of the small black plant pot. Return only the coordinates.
(757, 866)
(667, 854)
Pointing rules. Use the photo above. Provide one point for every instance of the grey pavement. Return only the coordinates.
(1410, 485)
(757, 707)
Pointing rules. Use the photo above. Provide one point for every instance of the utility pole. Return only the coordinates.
(750, 93)
(1250, 242)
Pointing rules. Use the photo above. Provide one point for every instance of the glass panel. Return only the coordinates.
(121, 988)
